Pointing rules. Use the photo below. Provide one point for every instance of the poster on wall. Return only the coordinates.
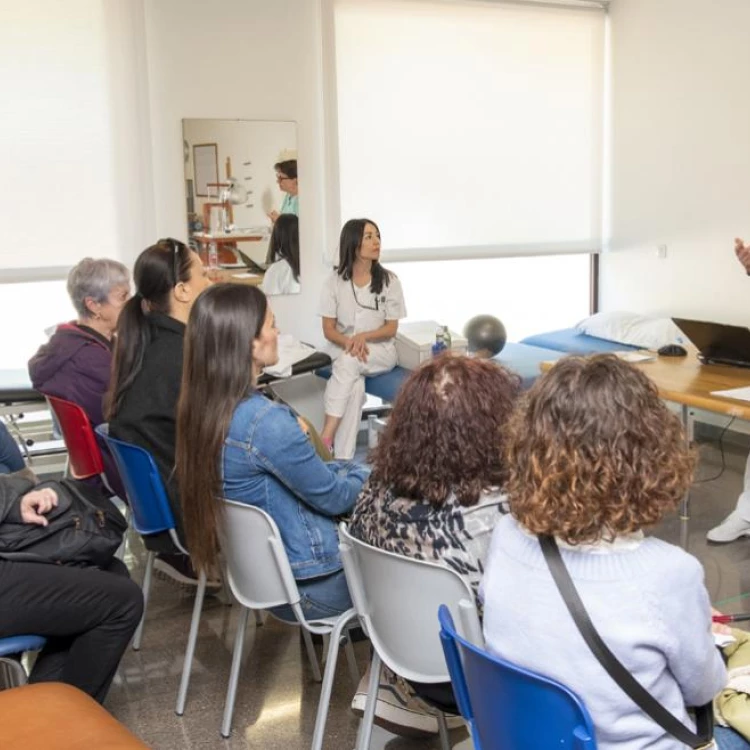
(205, 168)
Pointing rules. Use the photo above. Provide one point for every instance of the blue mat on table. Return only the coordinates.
(521, 358)
(572, 341)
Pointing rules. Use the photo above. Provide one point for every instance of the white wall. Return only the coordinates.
(681, 158)
(246, 59)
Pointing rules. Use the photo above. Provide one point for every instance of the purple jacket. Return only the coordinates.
(75, 365)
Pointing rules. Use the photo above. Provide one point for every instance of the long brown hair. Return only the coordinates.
(216, 376)
(446, 431)
(158, 270)
(593, 452)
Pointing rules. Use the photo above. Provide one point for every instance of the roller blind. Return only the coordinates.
(471, 129)
(62, 114)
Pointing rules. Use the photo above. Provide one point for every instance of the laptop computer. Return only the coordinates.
(718, 343)
(252, 266)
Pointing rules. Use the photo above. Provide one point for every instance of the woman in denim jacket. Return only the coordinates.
(234, 442)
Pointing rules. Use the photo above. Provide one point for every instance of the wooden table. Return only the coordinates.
(231, 275)
(687, 382)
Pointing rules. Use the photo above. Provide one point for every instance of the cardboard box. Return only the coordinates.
(414, 342)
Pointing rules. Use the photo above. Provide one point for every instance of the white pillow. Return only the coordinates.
(633, 329)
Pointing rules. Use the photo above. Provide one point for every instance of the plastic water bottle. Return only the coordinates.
(213, 256)
(447, 338)
(439, 346)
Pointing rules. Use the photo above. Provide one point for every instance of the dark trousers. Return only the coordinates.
(88, 616)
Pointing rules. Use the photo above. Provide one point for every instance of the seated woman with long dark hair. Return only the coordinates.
(436, 491)
(147, 371)
(595, 458)
(234, 442)
(282, 273)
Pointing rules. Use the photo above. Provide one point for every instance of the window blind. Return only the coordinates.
(471, 129)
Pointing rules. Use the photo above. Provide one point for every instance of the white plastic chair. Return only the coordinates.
(397, 600)
(260, 577)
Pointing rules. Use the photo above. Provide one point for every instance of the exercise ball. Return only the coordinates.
(486, 335)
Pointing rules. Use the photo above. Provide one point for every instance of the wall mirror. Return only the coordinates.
(241, 192)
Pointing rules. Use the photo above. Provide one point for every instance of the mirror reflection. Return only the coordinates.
(242, 196)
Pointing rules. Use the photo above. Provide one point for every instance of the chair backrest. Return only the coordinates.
(83, 451)
(258, 569)
(508, 707)
(151, 513)
(397, 599)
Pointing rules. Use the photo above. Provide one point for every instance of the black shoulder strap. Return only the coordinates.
(637, 693)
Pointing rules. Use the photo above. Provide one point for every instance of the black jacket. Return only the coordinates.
(148, 414)
(12, 488)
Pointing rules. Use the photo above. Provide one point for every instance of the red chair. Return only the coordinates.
(84, 455)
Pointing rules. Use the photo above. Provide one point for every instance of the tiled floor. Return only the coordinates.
(277, 698)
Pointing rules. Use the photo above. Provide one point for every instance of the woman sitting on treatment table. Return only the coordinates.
(361, 305)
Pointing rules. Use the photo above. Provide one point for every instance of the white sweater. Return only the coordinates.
(650, 606)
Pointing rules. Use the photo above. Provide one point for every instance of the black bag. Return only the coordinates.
(704, 716)
(84, 529)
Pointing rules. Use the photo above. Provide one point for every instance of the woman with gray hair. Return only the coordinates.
(75, 363)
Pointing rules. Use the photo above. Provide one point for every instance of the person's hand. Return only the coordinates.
(34, 505)
(719, 627)
(273, 215)
(742, 251)
(357, 347)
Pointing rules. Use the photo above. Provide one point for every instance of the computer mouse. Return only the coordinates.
(672, 350)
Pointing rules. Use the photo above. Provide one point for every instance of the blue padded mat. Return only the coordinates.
(521, 358)
(572, 341)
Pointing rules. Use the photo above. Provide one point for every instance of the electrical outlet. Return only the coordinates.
(661, 252)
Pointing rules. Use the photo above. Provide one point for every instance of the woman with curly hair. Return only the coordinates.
(594, 458)
(436, 492)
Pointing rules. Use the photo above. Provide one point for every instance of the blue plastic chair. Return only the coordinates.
(12, 671)
(152, 514)
(508, 707)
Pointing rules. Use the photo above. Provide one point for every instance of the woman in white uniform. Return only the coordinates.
(282, 272)
(361, 305)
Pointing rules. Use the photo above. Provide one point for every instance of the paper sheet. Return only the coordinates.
(634, 357)
(291, 351)
(741, 394)
(245, 276)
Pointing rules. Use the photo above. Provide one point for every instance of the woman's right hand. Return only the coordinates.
(357, 347)
(719, 628)
(35, 504)
(743, 253)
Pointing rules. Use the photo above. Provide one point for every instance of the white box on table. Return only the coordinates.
(414, 342)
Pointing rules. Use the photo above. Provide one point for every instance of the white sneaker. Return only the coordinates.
(398, 709)
(731, 528)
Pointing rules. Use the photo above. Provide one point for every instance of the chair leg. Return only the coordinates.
(146, 593)
(327, 686)
(445, 742)
(351, 660)
(259, 621)
(311, 654)
(365, 727)
(12, 673)
(192, 639)
(234, 674)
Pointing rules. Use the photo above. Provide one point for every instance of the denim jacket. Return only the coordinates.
(269, 462)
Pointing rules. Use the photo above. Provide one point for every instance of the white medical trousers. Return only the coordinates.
(743, 501)
(345, 392)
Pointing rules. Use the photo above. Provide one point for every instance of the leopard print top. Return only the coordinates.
(451, 534)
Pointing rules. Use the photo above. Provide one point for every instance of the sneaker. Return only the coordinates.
(178, 568)
(731, 528)
(398, 709)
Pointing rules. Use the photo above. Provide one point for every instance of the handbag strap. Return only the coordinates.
(637, 693)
